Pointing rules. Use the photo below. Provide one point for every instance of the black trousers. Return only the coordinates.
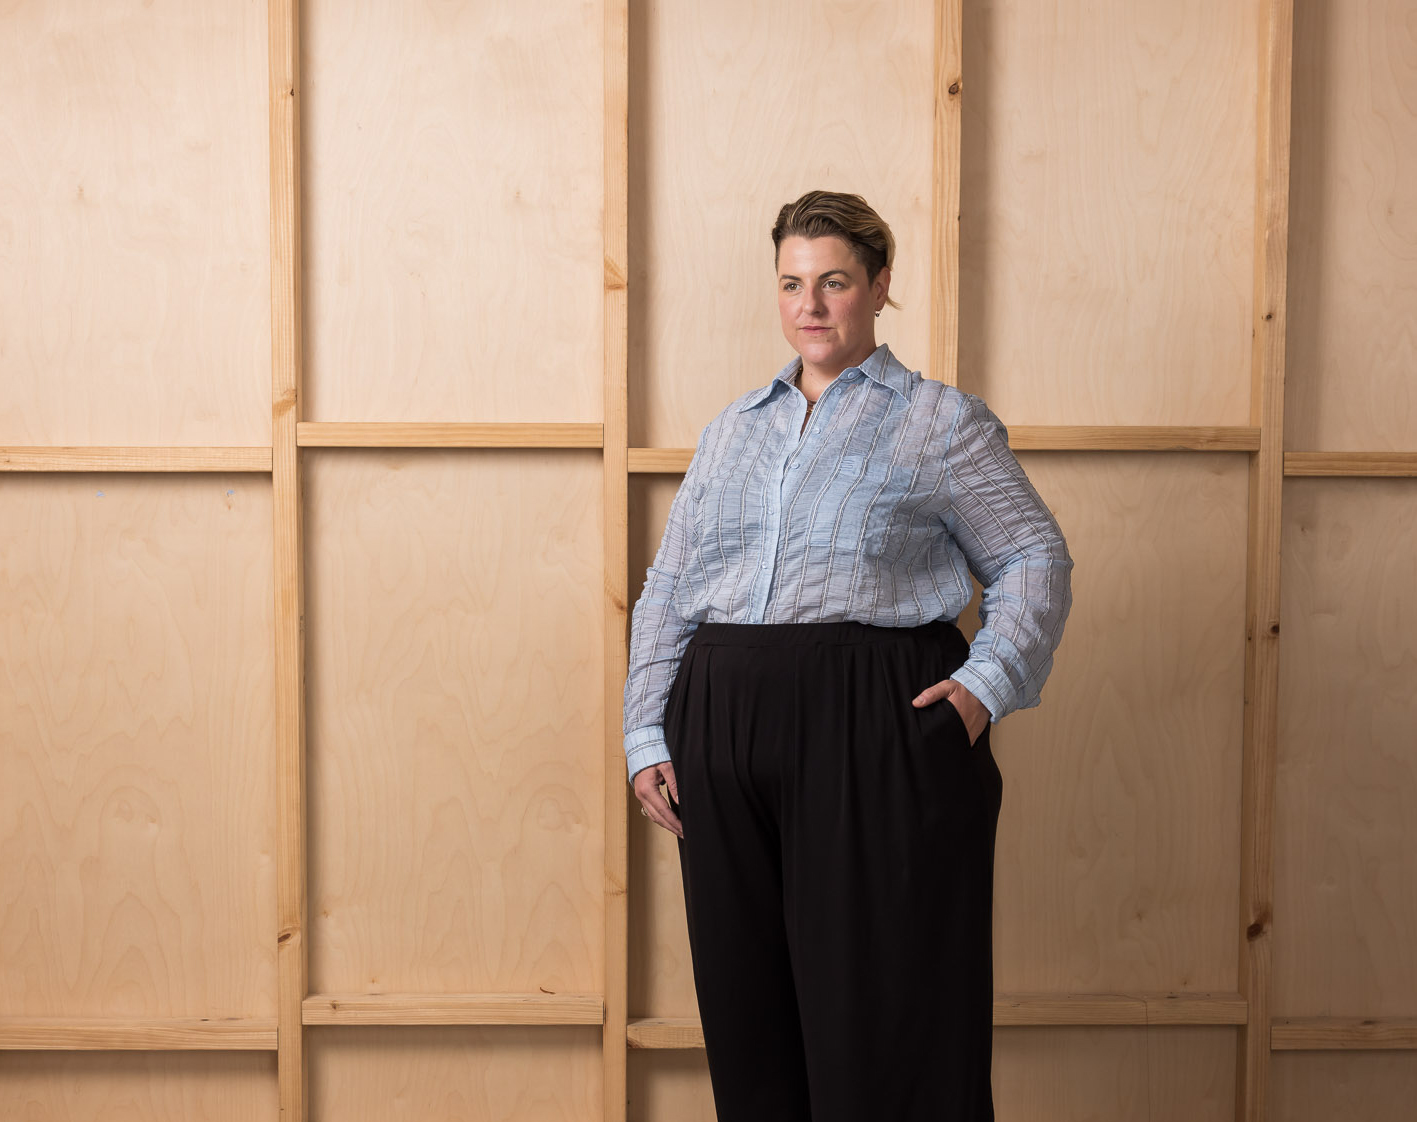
(838, 869)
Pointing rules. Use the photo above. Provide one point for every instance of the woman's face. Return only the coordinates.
(828, 309)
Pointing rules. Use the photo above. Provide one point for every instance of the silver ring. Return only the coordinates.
(644, 812)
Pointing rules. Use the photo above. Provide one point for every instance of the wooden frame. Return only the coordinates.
(1259, 1033)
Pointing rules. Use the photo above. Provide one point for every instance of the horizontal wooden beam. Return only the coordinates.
(68, 1034)
(432, 434)
(1075, 1009)
(672, 461)
(454, 1009)
(96, 458)
(1046, 438)
(1140, 1008)
(1351, 463)
(1342, 1033)
(1134, 438)
(664, 1032)
(340, 434)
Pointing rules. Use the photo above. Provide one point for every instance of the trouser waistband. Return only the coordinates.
(843, 631)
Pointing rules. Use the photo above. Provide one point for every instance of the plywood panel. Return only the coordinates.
(669, 1084)
(138, 1086)
(737, 108)
(1351, 345)
(455, 730)
(136, 813)
(1114, 1074)
(1106, 210)
(452, 203)
(1117, 860)
(493, 1073)
(134, 223)
(1319, 1087)
(1345, 896)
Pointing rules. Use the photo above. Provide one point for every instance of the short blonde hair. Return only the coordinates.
(833, 214)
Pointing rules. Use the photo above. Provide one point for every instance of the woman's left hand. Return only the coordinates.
(973, 712)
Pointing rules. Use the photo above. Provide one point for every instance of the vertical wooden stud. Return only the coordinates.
(292, 955)
(615, 468)
(944, 204)
(1276, 51)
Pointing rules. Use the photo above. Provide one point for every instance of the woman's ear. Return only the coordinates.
(882, 288)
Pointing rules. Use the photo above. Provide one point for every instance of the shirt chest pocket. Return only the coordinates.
(851, 506)
(725, 515)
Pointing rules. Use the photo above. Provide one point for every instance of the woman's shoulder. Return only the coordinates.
(940, 397)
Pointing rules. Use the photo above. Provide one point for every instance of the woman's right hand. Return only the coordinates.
(646, 784)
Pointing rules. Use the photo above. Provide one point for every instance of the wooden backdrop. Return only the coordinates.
(349, 357)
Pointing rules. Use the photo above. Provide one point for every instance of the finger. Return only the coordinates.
(660, 812)
(655, 806)
(933, 693)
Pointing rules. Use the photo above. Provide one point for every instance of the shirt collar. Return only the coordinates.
(880, 366)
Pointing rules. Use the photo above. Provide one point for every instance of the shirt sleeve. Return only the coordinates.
(1015, 548)
(658, 634)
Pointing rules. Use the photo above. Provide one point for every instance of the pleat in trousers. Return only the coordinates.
(838, 867)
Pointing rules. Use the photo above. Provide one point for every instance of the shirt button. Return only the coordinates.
(817, 428)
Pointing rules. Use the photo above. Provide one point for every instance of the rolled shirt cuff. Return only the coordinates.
(989, 684)
(644, 747)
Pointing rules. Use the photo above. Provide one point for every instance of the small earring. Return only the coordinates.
(878, 315)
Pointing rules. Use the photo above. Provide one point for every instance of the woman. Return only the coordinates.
(798, 682)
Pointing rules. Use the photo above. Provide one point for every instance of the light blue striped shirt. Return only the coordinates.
(898, 489)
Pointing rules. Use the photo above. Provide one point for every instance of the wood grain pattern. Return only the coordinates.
(1084, 1074)
(453, 166)
(740, 107)
(152, 1086)
(137, 826)
(1117, 860)
(433, 434)
(285, 94)
(94, 458)
(145, 1035)
(944, 207)
(1373, 1086)
(1107, 210)
(1346, 793)
(1014, 1009)
(1351, 463)
(455, 1074)
(1344, 1033)
(669, 1085)
(1353, 221)
(455, 1009)
(614, 599)
(454, 759)
(1253, 933)
(133, 262)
